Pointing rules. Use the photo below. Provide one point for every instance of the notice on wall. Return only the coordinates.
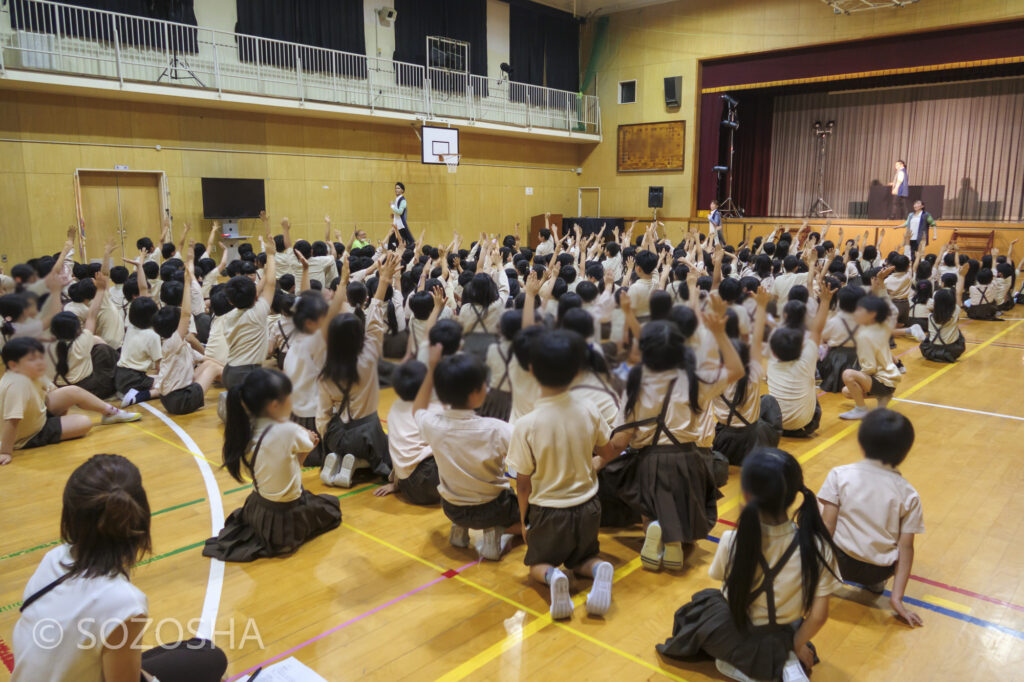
(644, 147)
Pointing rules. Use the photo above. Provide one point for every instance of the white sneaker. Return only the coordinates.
(600, 598)
(561, 604)
(672, 558)
(329, 469)
(349, 464)
(458, 536)
(121, 417)
(222, 407)
(794, 671)
(917, 332)
(732, 672)
(129, 397)
(491, 549)
(653, 549)
(855, 413)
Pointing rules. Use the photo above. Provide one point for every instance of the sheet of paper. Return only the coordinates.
(290, 669)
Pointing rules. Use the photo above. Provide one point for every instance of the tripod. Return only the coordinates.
(728, 208)
(174, 67)
(819, 206)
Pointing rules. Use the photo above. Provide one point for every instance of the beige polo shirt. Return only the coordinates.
(876, 505)
(554, 445)
(470, 454)
(24, 399)
(278, 472)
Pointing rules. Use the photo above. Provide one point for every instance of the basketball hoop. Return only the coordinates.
(452, 161)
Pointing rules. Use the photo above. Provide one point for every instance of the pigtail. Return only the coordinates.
(746, 548)
(690, 367)
(633, 382)
(812, 534)
(237, 434)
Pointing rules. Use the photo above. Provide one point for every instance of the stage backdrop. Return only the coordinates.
(967, 136)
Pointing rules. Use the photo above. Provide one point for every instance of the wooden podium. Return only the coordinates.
(536, 224)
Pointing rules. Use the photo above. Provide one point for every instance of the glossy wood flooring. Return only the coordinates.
(386, 597)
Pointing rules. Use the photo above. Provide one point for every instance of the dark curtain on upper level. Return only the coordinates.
(28, 15)
(464, 20)
(543, 50)
(332, 24)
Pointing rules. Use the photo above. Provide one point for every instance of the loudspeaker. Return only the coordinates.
(655, 195)
(673, 84)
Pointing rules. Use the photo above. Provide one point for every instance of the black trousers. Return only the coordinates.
(406, 237)
(899, 208)
(195, 660)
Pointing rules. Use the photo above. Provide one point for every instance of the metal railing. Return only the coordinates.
(41, 35)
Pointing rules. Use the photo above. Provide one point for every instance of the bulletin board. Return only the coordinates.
(646, 147)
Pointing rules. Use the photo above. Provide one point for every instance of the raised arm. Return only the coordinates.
(186, 300)
(818, 324)
(713, 317)
(94, 308)
(530, 299)
(286, 230)
(270, 269)
(304, 283)
(763, 296)
(184, 240)
(214, 230)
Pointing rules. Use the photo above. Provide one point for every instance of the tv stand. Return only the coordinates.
(231, 238)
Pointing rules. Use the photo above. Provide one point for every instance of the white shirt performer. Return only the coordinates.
(399, 212)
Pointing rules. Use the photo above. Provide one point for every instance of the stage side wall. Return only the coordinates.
(36, 180)
(668, 40)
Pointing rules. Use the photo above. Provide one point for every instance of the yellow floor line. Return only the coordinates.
(945, 603)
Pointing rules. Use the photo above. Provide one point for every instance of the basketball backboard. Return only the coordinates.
(438, 143)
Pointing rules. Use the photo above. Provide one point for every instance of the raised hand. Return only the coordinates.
(763, 296)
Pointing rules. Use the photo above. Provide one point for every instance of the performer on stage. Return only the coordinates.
(900, 191)
(399, 213)
(918, 224)
(715, 225)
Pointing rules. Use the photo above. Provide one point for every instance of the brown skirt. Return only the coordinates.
(315, 457)
(262, 528)
(497, 404)
(705, 628)
(837, 360)
(363, 437)
(104, 366)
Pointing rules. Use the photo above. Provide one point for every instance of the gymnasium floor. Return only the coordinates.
(386, 597)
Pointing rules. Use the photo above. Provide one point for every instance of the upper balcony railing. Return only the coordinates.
(48, 36)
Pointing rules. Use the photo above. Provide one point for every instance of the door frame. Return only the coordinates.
(579, 201)
(164, 189)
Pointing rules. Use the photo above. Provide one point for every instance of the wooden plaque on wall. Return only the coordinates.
(651, 147)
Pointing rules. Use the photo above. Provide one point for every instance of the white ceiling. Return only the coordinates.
(587, 8)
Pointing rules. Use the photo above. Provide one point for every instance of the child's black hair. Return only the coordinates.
(646, 261)
(771, 479)
(151, 269)
(886, 436)
(82, 290)
(308, 307)
(448, 333)
(144, 244)
(407, 379)
(848, 296)
(171, 293)
(421, 304)
(985, 276)
(660, 304)
(345, 337)
(787, 343)
(241, 291)
(510, 324)
(141, 312)
(166, 320)
(875, 305)
(18, 347)
(65, 327)
(567, 302)
(457, 377)
(523, 342)
(944, 305)
(794, 315)
(662, 347)
(247, 402)
(286, 282)
(922, 292)
(555, 357)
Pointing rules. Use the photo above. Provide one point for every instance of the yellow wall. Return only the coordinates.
(667, 40)
(37, 198)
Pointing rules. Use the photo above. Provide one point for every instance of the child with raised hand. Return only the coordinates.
(414, 470)
(182, 387)
(140, 352)
(78, 357)
(777, 575)
(839, 335)
(245, 327)
(500, 357)
(261, 441)
(469, 451)
(872, 513)
(944, 342)
(878, 375)
(310, 315)
(349, 392)
(34, 411)
(556, 482)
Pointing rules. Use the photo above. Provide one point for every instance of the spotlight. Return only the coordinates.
(730, 101)
(720, 169)
(506, 69)
(730, 124)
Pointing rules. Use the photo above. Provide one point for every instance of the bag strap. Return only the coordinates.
(769, 574)
(34, 597)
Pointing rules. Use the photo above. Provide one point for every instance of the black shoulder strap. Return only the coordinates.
(733, 406)
(849, 334)
(346, 399)
(768, 581)
(286, 339)
(984, 295)
(504, 377)
(34, 597)
(60, 374)
(255, 452)
(658, 419)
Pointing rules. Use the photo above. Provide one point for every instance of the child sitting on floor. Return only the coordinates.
(469, 451)
(413, 469)
(873, 513)
(555, 477)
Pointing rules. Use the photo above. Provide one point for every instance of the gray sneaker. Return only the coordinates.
(458, 536)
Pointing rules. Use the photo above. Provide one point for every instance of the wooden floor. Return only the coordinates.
(386, 597)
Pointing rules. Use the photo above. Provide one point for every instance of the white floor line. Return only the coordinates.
(215, 581)
(960, 409)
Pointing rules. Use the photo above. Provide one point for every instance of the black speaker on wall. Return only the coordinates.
(673, 84)
(655, 196)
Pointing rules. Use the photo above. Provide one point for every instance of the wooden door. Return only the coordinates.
(139, 195)
(100, 213)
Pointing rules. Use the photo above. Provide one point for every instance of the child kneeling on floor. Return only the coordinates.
(873, 513)
(552, 453)
(777, 577)
(469, 451)
(279, 515)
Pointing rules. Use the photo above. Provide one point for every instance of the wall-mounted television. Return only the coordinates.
(232, 198)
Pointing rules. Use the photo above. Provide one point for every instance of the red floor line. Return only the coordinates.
(936, 583)
(6, 656)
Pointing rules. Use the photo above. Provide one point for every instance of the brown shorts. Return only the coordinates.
(563, 536)
(48, 435)
(879, 390)
(502, 511)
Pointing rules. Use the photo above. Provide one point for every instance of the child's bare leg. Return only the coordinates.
(857, 386)
(207, 373)
(74, 426)
(60, 400)
(539, 572)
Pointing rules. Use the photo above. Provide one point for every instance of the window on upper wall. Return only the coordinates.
(627, 92)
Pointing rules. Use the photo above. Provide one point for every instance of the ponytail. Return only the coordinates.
(633, 382)
(693, 382)
(62, 359)
(812, 533)
(746, 548)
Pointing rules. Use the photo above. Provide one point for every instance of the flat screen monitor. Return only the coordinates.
(232, 198)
